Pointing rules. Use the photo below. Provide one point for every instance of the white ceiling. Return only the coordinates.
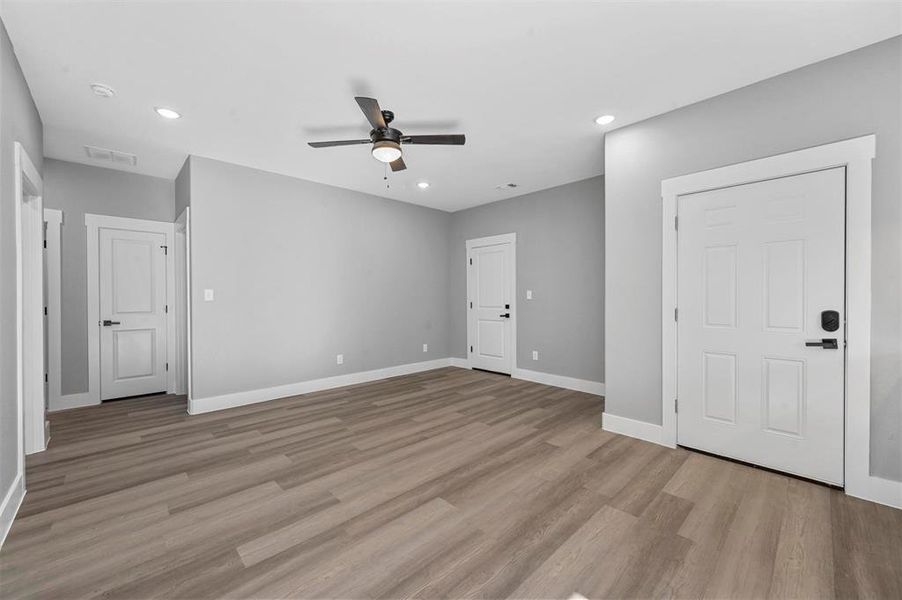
(256, 80)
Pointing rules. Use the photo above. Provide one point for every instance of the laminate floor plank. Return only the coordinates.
(444, 484)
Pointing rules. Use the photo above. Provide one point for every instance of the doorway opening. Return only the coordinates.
(132, 338)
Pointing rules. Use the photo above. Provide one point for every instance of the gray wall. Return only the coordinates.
(847, 96)
(19, 122)
(78, 189)
(560, 257)
(304, 271)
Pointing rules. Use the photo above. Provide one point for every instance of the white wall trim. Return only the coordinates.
(29, 227)
(561, 381)
(69, 401)
(502, 238)
(94, 223)
(54, 220)
(12, 500)
(637, 429)
(198, 406)
(181, 307)
(856, 156)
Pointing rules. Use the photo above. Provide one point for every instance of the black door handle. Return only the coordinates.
(506, 315)
(107, 323)
(825, 343)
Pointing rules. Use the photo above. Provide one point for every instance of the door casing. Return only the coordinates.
(504, 238)
(856, 156)
(29, 224)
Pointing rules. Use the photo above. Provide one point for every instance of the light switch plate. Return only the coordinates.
(208, 295)
(529, 294)
(535, 355)
(339, 359)
(425, 347)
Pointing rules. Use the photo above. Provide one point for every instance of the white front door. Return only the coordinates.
(133, 313)
(490, 308)
(759, 268)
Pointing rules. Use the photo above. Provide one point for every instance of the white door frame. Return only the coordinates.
(29, 189)
(94, 223)
(504, 238)
(856, 156)
(54, 220)
(182, 260)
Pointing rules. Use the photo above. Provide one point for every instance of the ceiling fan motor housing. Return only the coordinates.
(389, 134)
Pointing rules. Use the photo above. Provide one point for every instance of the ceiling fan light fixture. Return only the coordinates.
(605, 119)
(386, 151)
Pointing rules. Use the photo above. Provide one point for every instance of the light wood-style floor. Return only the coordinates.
(446, 484)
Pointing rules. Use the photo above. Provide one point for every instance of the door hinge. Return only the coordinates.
(471, 304)
(166, 308)
(45, 311)
(676, 405)
(676, 314)
(471, 261)
(167, 366)
(165, 250)
(46, 378)
(676, 223)
(471, 348)
(45, 244)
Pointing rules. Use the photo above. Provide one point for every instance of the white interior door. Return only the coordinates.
(491, 292)
(758, 265)
(133, 313)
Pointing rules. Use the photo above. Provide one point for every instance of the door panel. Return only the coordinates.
(133, 298)
(758, 263)
(491, 290)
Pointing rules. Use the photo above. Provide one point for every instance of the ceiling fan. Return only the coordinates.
(387, 141)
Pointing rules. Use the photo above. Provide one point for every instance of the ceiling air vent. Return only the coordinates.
(506, 186)
(113, 156)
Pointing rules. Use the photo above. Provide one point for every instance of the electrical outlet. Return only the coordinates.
(535, 355)
(425, 347)
(339, 359)
(529, 294)
(208, 295)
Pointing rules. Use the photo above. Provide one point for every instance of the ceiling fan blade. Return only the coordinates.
(338, 143)
(398, 165)
(456, 139)
(372, 112)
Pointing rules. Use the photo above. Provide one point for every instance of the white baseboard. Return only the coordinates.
(460, 363)
(72, 401)
(876, 489)
(637, 429)
(569, 383)
(198, 406)
(11, 503)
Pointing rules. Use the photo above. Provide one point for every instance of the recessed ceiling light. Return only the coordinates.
(103, 90)
(167, 113)
(423, 185)
(604, 119)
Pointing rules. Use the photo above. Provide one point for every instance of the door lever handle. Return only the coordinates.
(825, 343)
(506, 315)
(108, 323)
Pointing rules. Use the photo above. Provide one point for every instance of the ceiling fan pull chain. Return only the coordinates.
(385, 175)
